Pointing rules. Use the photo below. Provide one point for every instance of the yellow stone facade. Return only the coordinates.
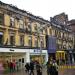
(28, 27)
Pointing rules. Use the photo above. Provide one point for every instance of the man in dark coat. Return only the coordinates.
(48, 66)
(31, 67)
(53, 69)
(27, 67)
(38, 69)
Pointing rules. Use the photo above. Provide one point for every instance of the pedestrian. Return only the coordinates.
(14, 66)
(31, 68)
(48, 66)
(1, 68)
(17, 66)
(38, 69)
(11, 66)
(27, 67)
(55, 67)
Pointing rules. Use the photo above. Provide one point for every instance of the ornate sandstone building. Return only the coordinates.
(23, 37)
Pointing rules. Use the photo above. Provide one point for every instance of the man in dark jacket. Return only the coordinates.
(31, 67)
(38, 69)
(27, 67)
(48, 66)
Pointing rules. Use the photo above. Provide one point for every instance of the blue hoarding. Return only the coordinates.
(51, 44)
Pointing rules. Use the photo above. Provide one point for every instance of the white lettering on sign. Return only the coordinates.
(37, 51)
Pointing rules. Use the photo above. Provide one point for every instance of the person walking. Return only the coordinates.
(48, 66)
(53, 68)
(11, 66)
(27, 66)
(38, 69)
(31, 68)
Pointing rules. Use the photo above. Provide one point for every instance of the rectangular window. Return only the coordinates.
(1, 19)
(30, 41)
(12, 22)
(22, 40)
(35, 27)
(42, 42)
(50, 31)
(21, 24)
(59, 34)
(55, 33)
(36, 42)
(29, 27)
(12, 40)
(46, 30)
(1, 38)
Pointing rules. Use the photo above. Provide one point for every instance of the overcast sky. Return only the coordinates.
(46, 8)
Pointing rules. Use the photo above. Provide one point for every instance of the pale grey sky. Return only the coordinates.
(46, 8)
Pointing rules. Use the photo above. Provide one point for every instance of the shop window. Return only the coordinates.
(22, 40)
(12, 22)
(22, 60)
(19, 60)
(1, 19)
(21, 24)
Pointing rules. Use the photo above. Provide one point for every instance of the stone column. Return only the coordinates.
(27, 57)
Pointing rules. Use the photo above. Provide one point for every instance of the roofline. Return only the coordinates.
(22, 12)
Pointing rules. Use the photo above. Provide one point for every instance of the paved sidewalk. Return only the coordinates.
(22, 72)
(61, 72)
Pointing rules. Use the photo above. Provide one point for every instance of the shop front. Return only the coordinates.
(61, 57)
(40, 56)
(12, 55)
(20, 57)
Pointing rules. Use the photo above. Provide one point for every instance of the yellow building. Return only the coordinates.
(23, 36)
(20, 40)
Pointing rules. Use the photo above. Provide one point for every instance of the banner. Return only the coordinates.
(51, 44)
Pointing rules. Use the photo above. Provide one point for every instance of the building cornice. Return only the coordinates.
(14, 9)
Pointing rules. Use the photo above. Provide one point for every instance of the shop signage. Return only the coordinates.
(37, 51)
(11, 50)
